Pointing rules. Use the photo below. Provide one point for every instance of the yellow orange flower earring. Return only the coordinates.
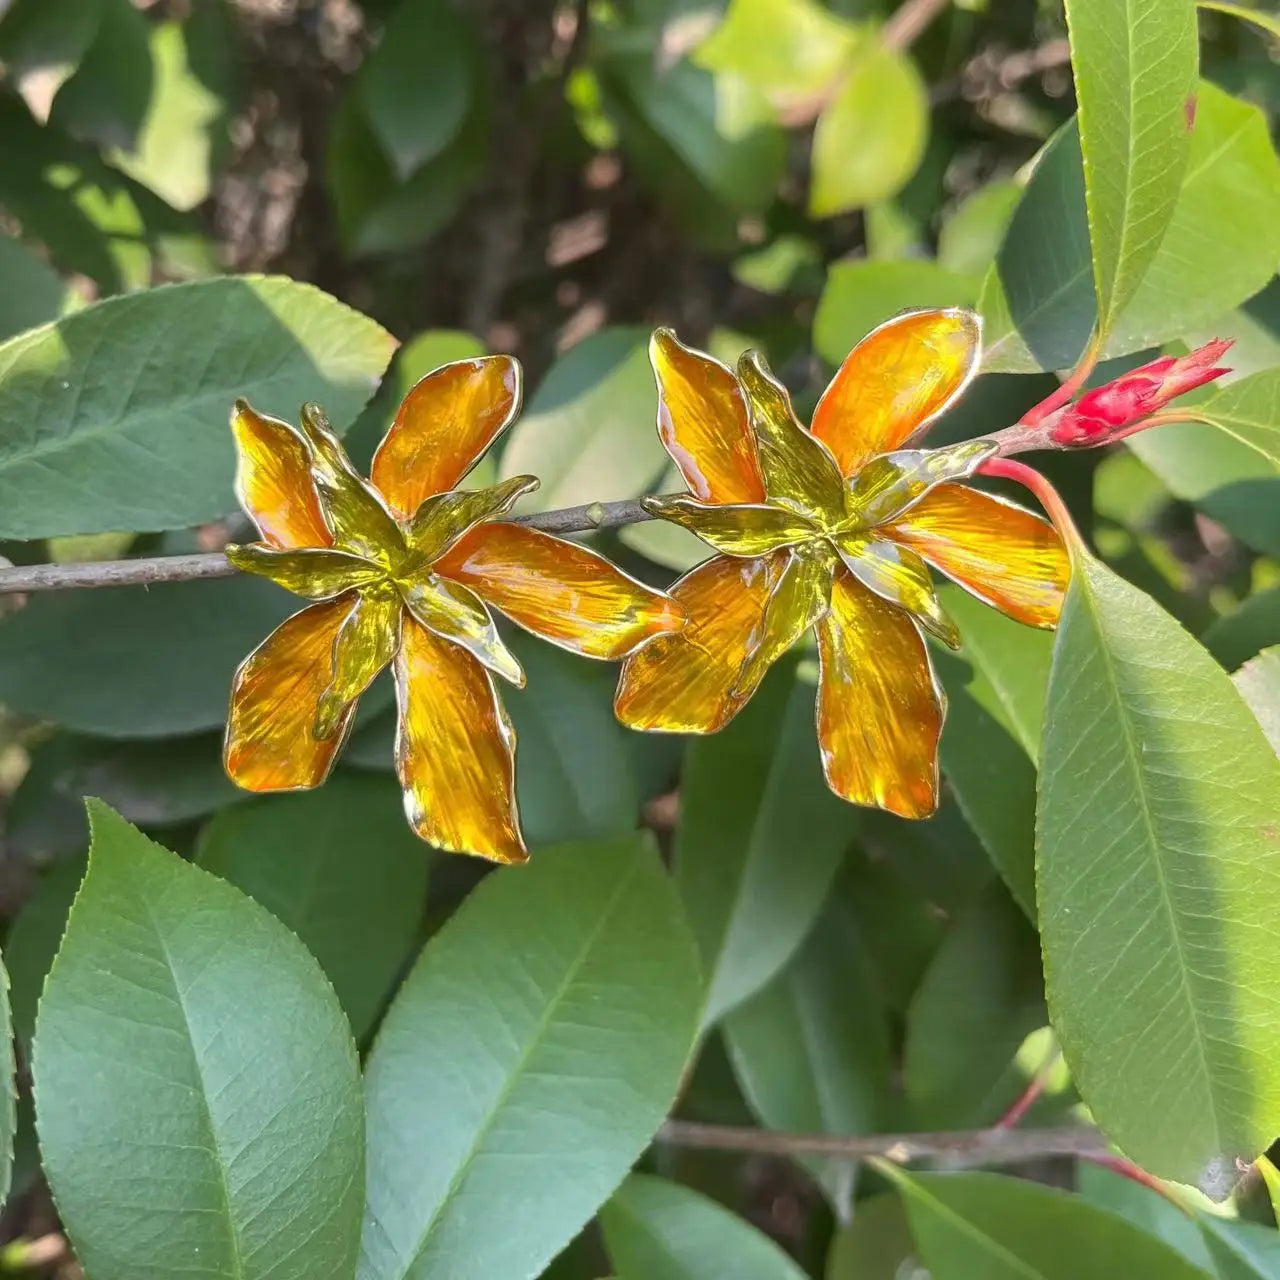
(401, 569)
(834, 527)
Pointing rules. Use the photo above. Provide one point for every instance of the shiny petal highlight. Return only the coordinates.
(454, 612)
(365, 644)
(880, 707)
(311, 572)
(703, 423)
(560, 590)
(455, 750)
(443, 518)
(743, 530)
(900, 576)
(899, 377)
(442, 428)
(271, 743)
(1002, 553)
(689, 682)
(273, 480)
(892, 483)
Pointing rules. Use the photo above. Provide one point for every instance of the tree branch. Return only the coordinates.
(981, 1146)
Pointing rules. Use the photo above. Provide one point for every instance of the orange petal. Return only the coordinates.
(271, 743)
(1002, 553)
(443, 426)
(273, 480)
(702, 420)
(895, 380)
(559, 590)
(689, 682)
(455, 750)
(880, 707)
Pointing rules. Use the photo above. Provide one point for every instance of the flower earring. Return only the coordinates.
(834, 527)
(401, 569)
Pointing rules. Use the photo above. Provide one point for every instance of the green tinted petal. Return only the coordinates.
(444, 517)
(366, 642)
(752, 529)
(798, 469)
(454, 612)
(892, 483)
(314, 573)
(897, 574)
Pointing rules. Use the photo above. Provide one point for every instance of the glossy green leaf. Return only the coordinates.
(197, 1091)
(1221, 247)
(342, 869)
(660, 1230)
(970, 238)
(1157, 882)
(980, 1226)
(1135, 66)
(588, 431)
(1259, 683)
(120, 410)
(750, 892)
(810, 1050)
(33, 293)
(871, 135)
(1241, 1250)
(980, 998)
(1269, 22)
(539, 1041)
(1249, 629)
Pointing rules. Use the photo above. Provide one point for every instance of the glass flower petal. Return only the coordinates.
(890, 484)
(900, 576)
(312, 572)
(273, 480)
(442, 427)
(702, 421)
(688, 682)
(559, 590)
(740, 530)
(455, 750)
(1002, 553)
(271, 743)
(798, 470)
(444, 517)
(879, 706)
(899, 377)
(454, 612)
(366, 643)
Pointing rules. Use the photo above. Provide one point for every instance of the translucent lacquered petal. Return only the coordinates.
(798, 469)
(880, 708)
(702, 420)
(1003, 554)
(892, 483)
(366, 643)
(443, 518)
(688, 682)
(744, 530)
(900, 576)
(360, 522)
(314, 573)
(443, 426)
(455, 750)
(273, 480)
(271, 743)
(454, 612)
(559, 590)
(894, 381)
(799, 597)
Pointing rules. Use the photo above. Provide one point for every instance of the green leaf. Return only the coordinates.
(42, 42)
(811, 1049)
(876, 1245)
(197, 1091)
(33, 292)
(588, 431)
(1269, 22)
(970, 238)
(8, 1089)
(539, 1041)
(342, 869)
(1135, 69)
(1221, 248)
(1156, 871)
(871, 135)
(1241, 1250)
(980, 998)
(415, 88)
(1259, 684)
(861, 295)
(121, 409)
(751, 893)
(659, 1230)
(1253, 625)
(980, 1226)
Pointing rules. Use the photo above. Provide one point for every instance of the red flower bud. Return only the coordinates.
(1108, 413)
